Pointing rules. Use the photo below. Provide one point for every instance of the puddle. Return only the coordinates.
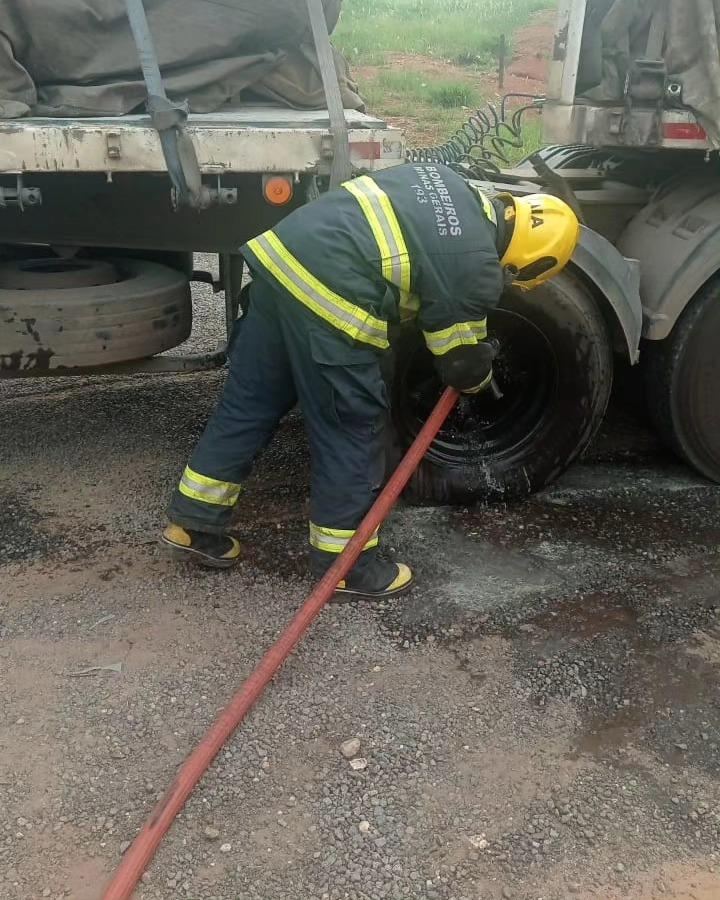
(593, 615)
(672, 707)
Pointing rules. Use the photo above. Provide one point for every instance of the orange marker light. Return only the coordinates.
(278, 190)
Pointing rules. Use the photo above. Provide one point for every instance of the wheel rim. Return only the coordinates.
(526, 371)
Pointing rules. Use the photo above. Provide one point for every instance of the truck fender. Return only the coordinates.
(616, 283)
(676, 238)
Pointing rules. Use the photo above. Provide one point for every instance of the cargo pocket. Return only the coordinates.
(352, 373)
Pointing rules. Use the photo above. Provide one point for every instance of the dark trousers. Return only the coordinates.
(281, 354)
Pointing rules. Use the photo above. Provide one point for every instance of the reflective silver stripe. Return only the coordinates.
(460, 335)
(340, 312)
(328, 543)
(214, 493)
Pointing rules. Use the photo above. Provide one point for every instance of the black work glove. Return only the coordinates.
(468, 368)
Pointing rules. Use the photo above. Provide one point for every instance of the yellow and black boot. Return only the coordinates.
(382, 581)
(217, 551)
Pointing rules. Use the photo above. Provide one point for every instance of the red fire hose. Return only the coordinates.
(143, 848)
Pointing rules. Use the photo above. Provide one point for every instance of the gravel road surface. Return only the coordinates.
(540, 719)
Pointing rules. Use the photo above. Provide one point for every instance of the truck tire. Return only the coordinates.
(142, 309)
(682, 381)
(555, 368)
(55, 274)
(181, 260)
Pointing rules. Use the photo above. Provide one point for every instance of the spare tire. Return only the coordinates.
(555, 369)
(51, 273)
(134, 310)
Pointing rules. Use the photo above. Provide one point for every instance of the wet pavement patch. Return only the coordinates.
(631, 519)
(592, 615)
(640, 667)
(672, 704)
(22, 536)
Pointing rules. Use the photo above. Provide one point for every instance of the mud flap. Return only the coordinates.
(617, 282)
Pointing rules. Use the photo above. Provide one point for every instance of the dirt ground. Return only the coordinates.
(540, 719)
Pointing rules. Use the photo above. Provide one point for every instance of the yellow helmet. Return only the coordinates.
(545, 234)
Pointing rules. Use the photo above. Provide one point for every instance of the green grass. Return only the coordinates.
(463, 31)
(409, 87)
(428, 109)
(532, 138)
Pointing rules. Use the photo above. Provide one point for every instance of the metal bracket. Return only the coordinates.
(645, 85)
(207, 197)
(114, 147)
(646, 81)
(327, 146)
(20, 196)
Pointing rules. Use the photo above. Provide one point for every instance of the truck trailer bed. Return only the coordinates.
(251, 139)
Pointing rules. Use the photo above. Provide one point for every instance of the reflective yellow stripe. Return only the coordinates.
(440, 342)
(480, 329)
(208, 490)
(488, 208)
(354, 321)
(334, 540)
(485, 202)
(403, 252)
(377, 230)
(383, 221)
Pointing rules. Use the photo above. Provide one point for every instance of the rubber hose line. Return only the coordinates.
(143, 849)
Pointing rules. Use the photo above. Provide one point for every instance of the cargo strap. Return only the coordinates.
(168, 118)
(334, 540)
(341, 167)
(208, 490)
(349, 318)
(658, 30)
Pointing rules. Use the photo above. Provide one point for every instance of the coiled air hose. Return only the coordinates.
(483, 145)
(485, 142)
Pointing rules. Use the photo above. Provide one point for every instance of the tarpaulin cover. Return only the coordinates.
(78, 58)
(617, 32)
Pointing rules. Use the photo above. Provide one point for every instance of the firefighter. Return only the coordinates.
(413, 241)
